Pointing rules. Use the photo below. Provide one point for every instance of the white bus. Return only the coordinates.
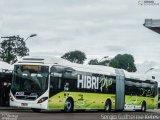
(54, 83)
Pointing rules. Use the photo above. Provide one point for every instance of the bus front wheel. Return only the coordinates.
(108, 106)
(69, 105)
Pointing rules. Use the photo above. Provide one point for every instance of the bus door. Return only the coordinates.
(56, 88)
(120, 90)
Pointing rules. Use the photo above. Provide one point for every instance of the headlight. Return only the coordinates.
(42, 99)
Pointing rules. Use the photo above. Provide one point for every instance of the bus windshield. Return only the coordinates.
(30, 78)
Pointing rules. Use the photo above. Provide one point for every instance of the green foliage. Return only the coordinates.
(125, 61)
(93, 62)
(75, 56)
(96, 62)
(12, 48)
(104, 62)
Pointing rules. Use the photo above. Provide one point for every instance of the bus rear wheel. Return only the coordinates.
(143, 107)
(108, 106)
(36, 110)
(68, 105)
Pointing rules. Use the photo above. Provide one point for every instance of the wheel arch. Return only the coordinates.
(144, 102)
(108, 100)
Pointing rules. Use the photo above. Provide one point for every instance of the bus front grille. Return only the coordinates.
(26, 97)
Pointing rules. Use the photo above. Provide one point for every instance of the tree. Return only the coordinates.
(75, 56)
(13, 47)
(93, 62)
(104, 62)
(125, 61)
(96, 62)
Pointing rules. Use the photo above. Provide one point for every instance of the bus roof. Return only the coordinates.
(97, 69)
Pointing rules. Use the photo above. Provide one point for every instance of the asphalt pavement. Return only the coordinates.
(27, 114)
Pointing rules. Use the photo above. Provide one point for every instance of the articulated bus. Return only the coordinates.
(54, 83)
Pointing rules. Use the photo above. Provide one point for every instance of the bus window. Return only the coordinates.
(55, 83)
(70, 84)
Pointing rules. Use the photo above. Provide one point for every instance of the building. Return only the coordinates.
(5, 82)
(153, 24)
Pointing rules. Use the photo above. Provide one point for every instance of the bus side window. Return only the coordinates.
(69, 84)
(55, 83)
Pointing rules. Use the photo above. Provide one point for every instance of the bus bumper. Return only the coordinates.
(28, 103)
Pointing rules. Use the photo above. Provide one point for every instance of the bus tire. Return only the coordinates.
(108, 106)
(69, 105)
(36, 110)
(143, 107)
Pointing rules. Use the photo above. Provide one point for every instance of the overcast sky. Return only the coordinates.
(97, 27)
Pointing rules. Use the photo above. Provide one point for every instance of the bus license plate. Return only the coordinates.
(24, 104)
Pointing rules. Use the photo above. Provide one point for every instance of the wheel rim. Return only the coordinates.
(68, 105)
(107, 107)
(143, 108)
